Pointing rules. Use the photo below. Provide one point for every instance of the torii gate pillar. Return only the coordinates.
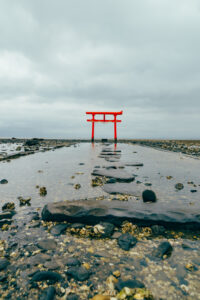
(115, 121)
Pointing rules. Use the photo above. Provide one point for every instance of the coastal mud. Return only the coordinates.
(106, 239)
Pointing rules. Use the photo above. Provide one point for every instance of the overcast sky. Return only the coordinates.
(60, 58)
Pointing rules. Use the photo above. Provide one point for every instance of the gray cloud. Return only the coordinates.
(61, 58)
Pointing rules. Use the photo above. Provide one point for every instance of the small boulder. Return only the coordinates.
(78, 273)
(3, 263)
(46, 275)
(126, 241)
(104, 229)
(8, 206)
(72, 262)
(3, 181)
(179, 186)
(148, 196)
(43, 191)
(47, 244)
(131, 283)
(164, 250)
(48, 294)
(59, 229)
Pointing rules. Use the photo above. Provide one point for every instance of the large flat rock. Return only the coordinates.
(92, 212)
(119, 175)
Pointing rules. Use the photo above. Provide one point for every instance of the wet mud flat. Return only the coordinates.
(100, 222)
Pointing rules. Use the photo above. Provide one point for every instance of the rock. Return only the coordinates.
(78, 273)
(49, 294)
(77, 186)
(179, 186)
(131, 283)
(148, 196)
(72, 297)
(46, 275)
(3, 181)
(104, 229)
(111, 180)
(5, 222)
(3, 263)
(126, 241)
(47, 244)
(193, 191)
(72, 262)
(120, 176)
(23, 202)
(43, 191)
(59, 229)
(164, 250)
(93, 212)
(8, 206)
(6, 215)
(136, 164)
(157, 229)
(51, 265)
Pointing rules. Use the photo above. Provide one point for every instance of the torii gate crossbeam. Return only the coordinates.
(115, 121)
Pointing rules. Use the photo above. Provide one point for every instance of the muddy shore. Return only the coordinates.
(82, 221)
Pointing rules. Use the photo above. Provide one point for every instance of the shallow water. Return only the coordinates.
(56, 168)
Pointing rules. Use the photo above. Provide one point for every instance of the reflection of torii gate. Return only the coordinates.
(115, 121)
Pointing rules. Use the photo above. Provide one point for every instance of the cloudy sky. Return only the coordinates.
(60, 58)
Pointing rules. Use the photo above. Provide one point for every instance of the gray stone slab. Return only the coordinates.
(92, 212)
(119, 175)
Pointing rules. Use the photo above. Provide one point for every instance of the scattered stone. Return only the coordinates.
(111, 180)
(59, 229)
(23, 201)
(148, 184)
(48, 294)
(47, 244)
(104, 229)
(78, 273)
(169, 177)
(126, 241)
(131, 283)
(3, 181)
(179, 186)
(77, 186)
(3, 263)
(193, 191)
(190, 267)
(97, 181)
(72, 262)
(163, 251)
(46, 275)
(6, 215)
(43, 191)
(8, 206)
(148, 196)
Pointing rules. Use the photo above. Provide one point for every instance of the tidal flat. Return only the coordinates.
(83, 220)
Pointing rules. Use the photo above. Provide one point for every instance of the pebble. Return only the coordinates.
(148, 196)
(46, 275)
(78, 273)
(126, 241)
(164, 249)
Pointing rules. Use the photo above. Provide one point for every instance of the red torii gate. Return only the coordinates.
(115, 121)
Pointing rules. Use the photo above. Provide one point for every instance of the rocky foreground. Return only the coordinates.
(126, 245)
